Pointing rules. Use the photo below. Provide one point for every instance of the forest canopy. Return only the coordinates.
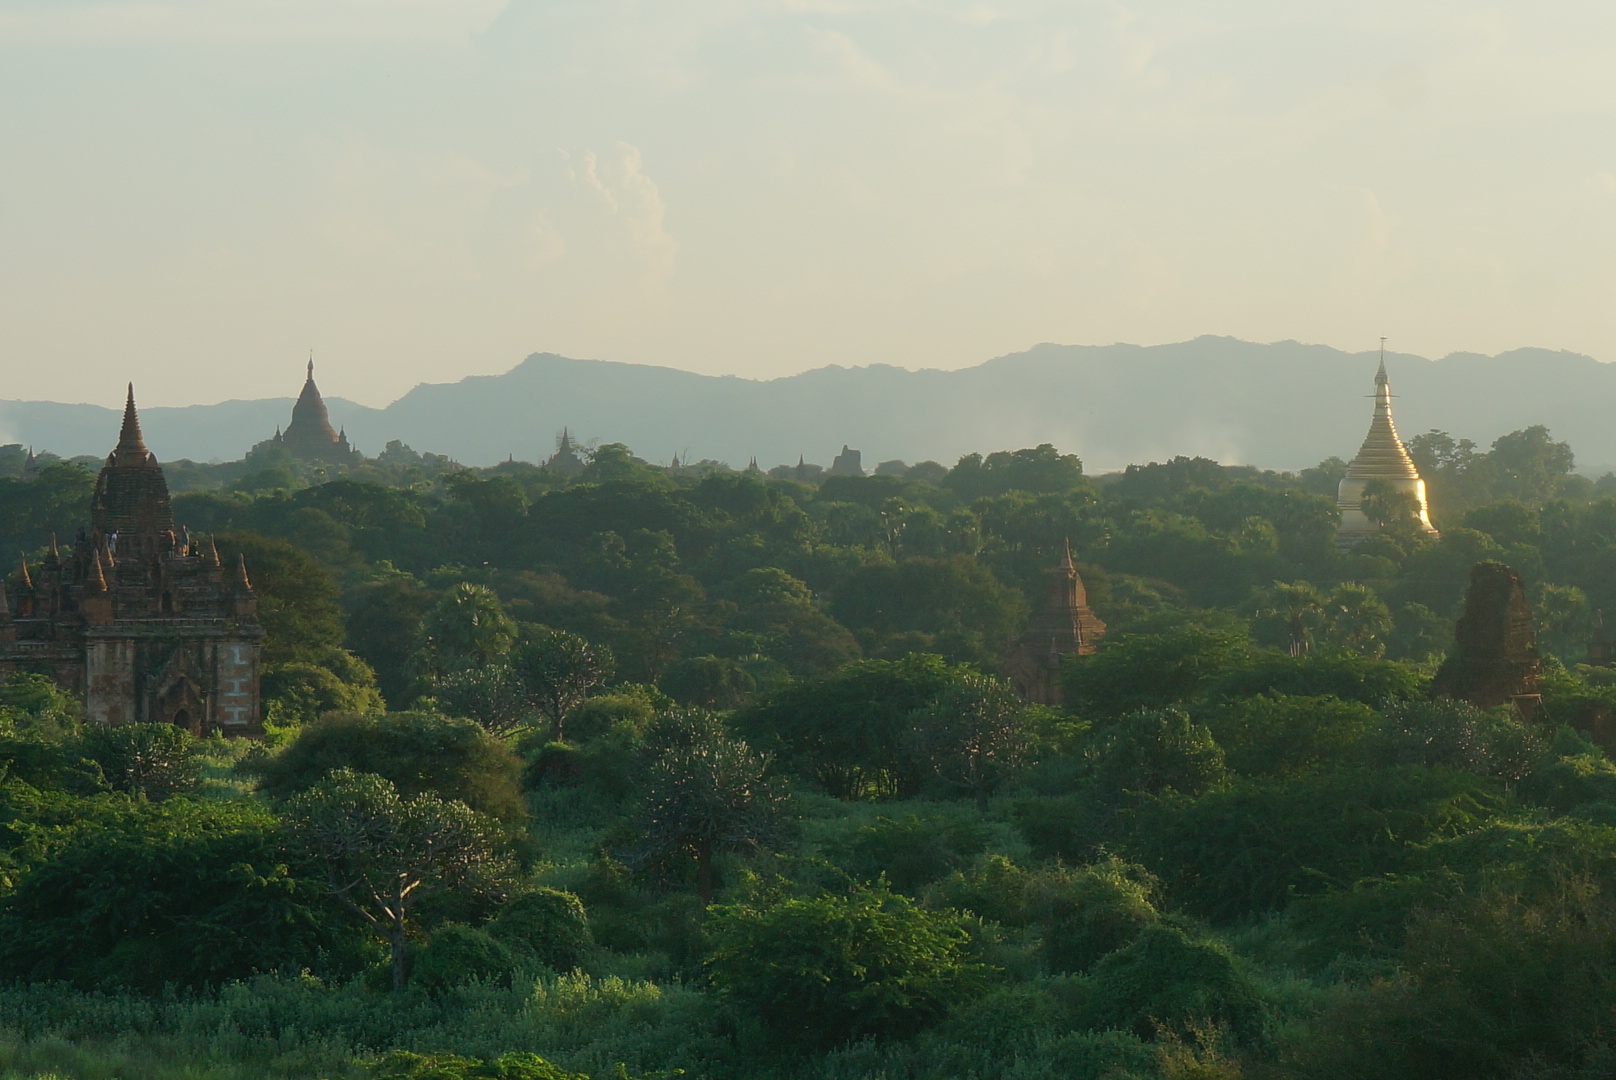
(629, 769)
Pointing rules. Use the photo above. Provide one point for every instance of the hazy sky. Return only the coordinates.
(194, 192)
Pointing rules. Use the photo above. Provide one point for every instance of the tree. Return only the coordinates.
(1357, 619)
(493, 695)
(973, 737)
(1041, 469)
(419, 752)
(1563, 620)
(558, 670)
(955, 607)
(467, 628)
(1295, 609)
(850, 731)
(706, 796)
(1152, 670)
(300, 692)
(1279, 735)
(1389, 506)
(820, 972)
(780, 610)
(1528, 465)
(297, 597)
(1152, 751)
(384, 854)
(156, 761)
(384, 628)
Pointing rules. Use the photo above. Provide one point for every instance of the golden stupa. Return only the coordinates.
(1381, 457)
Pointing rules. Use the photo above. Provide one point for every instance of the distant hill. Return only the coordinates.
(1283, 405)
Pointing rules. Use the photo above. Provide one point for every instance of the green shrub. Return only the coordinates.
(1363, 921)
(1089, 912)
(714, 682)
(1081, 913)
(1278, 735)
(911, 851)
(1455, 735)
(629, 708)
(1152, 671)
(33, 702)
(820, 972)
(1165, 980)
(48, 764)
(1155, 750)
(1346, 675)
(153, 760)
(182, 892)
(1255, 846)
(1499, 984)
(1072, 827)
(458, 954)
(418, 752)
(404, 1065)
(300, 691)
(994, 889)
(548, 924)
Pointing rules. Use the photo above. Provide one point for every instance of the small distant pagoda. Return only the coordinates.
(1065, 627)
(566, 459)
(1382, 457)
(310, 436)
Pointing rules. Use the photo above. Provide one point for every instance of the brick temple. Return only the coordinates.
(1065, 627)
(139, 619)
(310, 436)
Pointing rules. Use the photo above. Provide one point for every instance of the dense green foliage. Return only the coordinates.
(686, 769)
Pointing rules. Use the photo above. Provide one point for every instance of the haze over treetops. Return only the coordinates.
(1284, 405)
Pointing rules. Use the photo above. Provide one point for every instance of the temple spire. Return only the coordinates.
(131, 444)
(242, 581)
(23, 577)
(96, 581)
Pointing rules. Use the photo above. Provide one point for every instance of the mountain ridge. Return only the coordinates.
(1278, 405)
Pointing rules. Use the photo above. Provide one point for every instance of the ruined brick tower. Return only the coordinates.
(1495, 659)
(1065, 627)
(139, 620)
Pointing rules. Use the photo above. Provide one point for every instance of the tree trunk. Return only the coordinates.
(398, 943)
(704, 874)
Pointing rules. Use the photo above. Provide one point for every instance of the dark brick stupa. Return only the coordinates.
(1495, 661)
(138, 619)
(310, 436)
(1065, 627)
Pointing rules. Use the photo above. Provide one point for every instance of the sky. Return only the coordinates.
(195, 193)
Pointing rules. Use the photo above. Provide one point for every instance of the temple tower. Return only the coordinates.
(1382, 457)
(310, 436)
(1066, 626)
(134, 617)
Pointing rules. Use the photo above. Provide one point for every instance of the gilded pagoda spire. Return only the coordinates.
(1383, 454)
(1384, 460)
